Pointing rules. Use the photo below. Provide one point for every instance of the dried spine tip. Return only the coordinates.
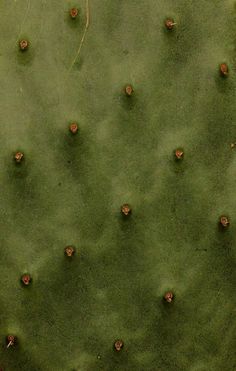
(179, 154)
(11, 340)
(169, 296)
(224, 69)
(74, 13)
(23, 44)
(224, 221)
(26, 279)
(19, 156)
(125, 209)
(69, 251)
(118, 345)
(169, 23)
(73, 128)
(129, 90)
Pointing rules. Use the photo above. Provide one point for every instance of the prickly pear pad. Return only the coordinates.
(152, 290)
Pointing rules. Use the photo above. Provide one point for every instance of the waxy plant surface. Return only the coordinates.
(118, 175)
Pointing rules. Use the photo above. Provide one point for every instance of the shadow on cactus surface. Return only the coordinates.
(118, 170)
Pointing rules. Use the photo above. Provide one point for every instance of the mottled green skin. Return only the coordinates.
(69, 189)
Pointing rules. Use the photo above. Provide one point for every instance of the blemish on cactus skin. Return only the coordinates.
(83, 37)
(19, 157)
(73, 128)
(11, 341)
(129, 90)
(179, 154)
(224, 70)
(69, 251)
(118, 345)
(26, 279)
(126, 209)
(169, 296)
(224, 221)
(169, 23)
(74, 13)
(23, 44)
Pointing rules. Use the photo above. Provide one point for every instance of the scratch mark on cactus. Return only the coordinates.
(84, 34)
(24, 19)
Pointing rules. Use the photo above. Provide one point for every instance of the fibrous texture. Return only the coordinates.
(117, 148)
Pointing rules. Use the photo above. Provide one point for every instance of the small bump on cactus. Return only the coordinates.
(126, 209)
(169, 297)
(129, 90)
(23, 44)
(179, 154)
(11, 341)
(224, 70)
(74, 13)
(224, 221)
(169, 23)
(118, 345)
(73, 128)
(26, 279)
(19, 157)
(69, 251)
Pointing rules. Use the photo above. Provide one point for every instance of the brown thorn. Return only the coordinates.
(169, 296)
(126, 209)
(224, 221)
(19, 157)
(69, 251)
(118, 345)
(26, 279)
(129, 90)
(224, 69)
(73, 128)
(23, 44)
(169, 23)
(179, 154)
(74, 13)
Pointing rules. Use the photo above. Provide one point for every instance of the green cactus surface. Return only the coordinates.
(118, 171)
